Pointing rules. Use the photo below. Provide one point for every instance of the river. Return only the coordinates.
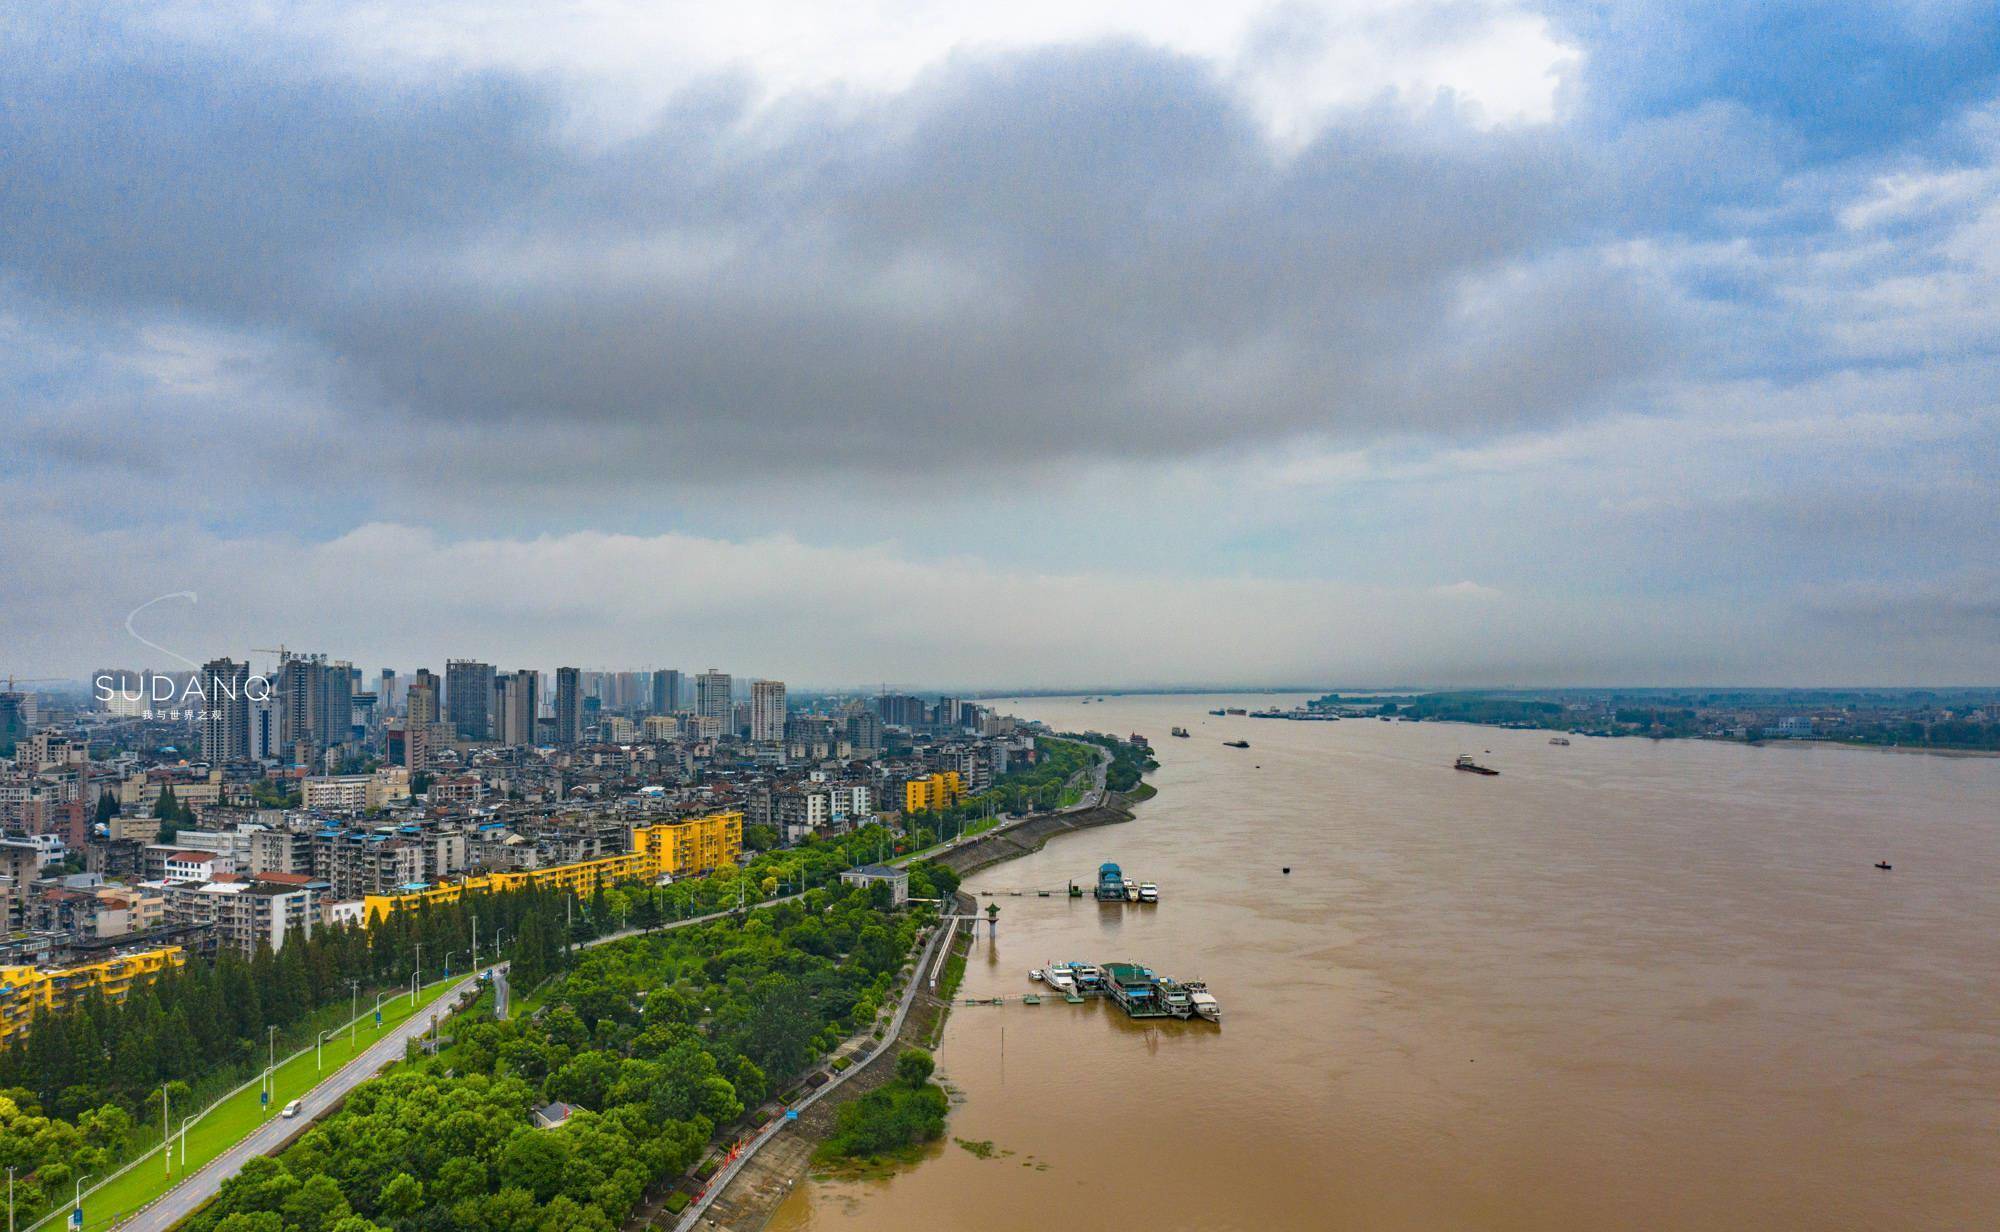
(1625, 984)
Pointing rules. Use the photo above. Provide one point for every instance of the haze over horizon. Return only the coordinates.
(1427, 342)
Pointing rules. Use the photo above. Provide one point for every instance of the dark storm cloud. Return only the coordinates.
(1074, 252)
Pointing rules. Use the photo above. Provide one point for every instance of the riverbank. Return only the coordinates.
(756, 1192)
(1034, 834)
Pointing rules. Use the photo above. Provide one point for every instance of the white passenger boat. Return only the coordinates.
(1148, 892)
(1203, 1002)
(1059, 975)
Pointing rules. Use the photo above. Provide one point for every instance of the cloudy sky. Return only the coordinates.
(1441, 341)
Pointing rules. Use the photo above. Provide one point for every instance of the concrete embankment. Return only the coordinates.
(1034, 833)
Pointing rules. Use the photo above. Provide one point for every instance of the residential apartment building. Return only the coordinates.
(27, 991)
(767, 711)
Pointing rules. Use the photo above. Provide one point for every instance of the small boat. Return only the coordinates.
(1058, 977)
(1288, 870)
(1179, 731)
(1235, 744)
(1148, 892)
(1036, 975)
(1883, 864)
(1466, 763)
(1131, 891)
(1561, 740)
(1203, 1002)
(1218, 712)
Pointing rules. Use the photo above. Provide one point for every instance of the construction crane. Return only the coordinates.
(11, 678)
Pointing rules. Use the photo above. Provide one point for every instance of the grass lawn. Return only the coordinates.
(241, 1113)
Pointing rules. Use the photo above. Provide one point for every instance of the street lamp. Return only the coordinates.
(270, 1068)
(77, 1207)
(185, 1122)
(319, 1045)
(447, 961)
(353, 1009)
(166, 1134)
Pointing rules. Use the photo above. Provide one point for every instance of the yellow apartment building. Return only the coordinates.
(27, 991)
(933, 792)
(668, 849)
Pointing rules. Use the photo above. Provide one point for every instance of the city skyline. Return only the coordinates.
(1415, 343)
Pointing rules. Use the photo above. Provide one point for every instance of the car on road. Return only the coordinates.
(291, 1109)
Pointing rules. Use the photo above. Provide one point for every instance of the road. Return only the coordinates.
(718, 1183)
(189, 1195)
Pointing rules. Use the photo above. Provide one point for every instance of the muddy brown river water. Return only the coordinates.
(1625, 984)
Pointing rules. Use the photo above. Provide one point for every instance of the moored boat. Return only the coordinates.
(1203, 1002)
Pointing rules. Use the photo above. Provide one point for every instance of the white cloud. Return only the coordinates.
(387, 594)
(1466, 590)
(1294, 60)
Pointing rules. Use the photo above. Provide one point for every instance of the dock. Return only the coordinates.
(1138, 990)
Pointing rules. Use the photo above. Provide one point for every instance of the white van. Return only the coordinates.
(291, 1109)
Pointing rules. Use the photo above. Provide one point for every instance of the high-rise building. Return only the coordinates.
(864, 732)
(712, 699)
(385, 693)
(630, 694)
(265, 744)
(667, 691)
(517, 700)
(900, 709)
(13, 721)
(767, 711)
(424, 690)
(316, 705)
(421, 730)
(225, 711)
(468, 698)
(569, 705)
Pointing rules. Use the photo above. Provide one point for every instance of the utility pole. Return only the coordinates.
(475, 943)
(353, 1011)
(166, 1133)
